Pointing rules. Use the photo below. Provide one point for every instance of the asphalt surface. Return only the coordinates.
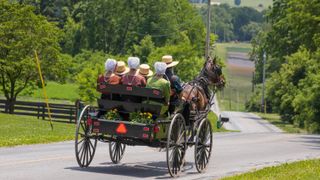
(259, 145)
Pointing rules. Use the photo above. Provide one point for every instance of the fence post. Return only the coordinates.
(38, 114)
(43, 112)
(70, 118)
(6, 106)
(77, 104)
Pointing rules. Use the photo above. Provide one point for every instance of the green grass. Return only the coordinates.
(20, 130)
(55, 91)
(213, 120)
(239, 86)
(309, 169)
(285, 126)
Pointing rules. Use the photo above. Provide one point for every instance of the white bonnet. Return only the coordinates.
(133, 62)
(160, 67)
(110, 65)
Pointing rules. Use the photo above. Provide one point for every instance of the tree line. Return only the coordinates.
(234, 23)
(74, 37)
(292, 42)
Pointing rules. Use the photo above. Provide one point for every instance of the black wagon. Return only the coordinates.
(172, 132)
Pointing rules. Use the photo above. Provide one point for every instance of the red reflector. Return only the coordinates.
(95, 130)
(146, 129)
(121, 129)
(96, 123)
(89, 121)
(156, 129)
(145, 135)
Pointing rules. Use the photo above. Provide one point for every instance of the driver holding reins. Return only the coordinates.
(175, 84)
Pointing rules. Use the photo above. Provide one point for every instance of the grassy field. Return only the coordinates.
(275, 120)
(239, 86)
(56, 93)
(20, 130)
(309, 170)
(213, 119)
(249, 3)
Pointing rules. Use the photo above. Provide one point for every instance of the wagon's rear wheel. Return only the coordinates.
(85, 143)
(176, 145)
(203, 145)
(116, 151)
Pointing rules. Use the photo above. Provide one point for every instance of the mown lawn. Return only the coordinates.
(213, 120)
(285, 126)
(308, 170)
(20, 130)
(55, 91)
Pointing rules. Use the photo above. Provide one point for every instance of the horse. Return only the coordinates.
(196, 93)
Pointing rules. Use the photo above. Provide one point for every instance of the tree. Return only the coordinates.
(237, 2)
(144, 49)
(22, 32)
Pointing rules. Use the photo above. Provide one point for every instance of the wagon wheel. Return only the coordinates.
(176, 145)
(203, 145)
(85, 143)
(116, 151)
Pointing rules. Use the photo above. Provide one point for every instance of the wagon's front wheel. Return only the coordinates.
(176, 145)
(203, 145)
(116, 151)
(85, 143)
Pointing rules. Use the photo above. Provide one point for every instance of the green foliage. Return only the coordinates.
(113, 114)
(143, 50)
(294, 90)
(292, 45)
(22, 32)
(114, 27)
(308, 169)
(190, 61)
(141, 117)
(87, 67)
(20, 130)
(234, 23)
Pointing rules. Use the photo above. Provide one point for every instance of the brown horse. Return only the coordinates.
(196, 93)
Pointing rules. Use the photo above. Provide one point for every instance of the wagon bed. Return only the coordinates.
(169, 132)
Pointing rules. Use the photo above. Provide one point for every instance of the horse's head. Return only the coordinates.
(212, 71)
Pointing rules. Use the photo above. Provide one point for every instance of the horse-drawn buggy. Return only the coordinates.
(117, 122)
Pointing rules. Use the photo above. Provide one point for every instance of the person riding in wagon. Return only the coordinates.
(144, 70)
(133, 78)
(121, 68)
(176, 87)
(159, 82)
(109, 77)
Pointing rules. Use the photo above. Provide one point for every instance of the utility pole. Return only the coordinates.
(263, 81)
(207, 53)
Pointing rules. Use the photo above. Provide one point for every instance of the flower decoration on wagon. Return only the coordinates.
(141, 117)
(113, 114)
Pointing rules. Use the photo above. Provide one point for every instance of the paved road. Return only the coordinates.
(233, 153)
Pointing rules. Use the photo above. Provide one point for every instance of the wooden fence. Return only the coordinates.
(59, 112)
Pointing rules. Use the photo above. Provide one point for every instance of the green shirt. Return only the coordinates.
(161, 84)
(164, 86)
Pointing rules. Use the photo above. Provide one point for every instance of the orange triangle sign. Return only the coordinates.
(121, 129)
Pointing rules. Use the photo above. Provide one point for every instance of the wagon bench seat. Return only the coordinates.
(146, 94)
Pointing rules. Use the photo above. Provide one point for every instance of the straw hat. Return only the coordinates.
(169, 61)
(144, 70)
(121, 68)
